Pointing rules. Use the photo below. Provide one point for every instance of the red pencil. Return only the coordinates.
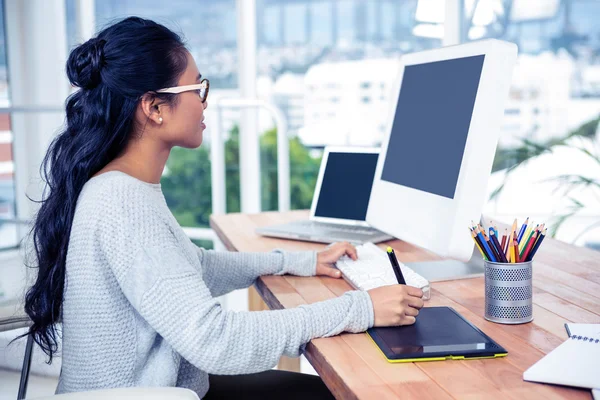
(503, 244)
(529, 246)
(516, 244)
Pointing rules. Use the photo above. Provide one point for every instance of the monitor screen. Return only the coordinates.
(431, 124)
(346, 186)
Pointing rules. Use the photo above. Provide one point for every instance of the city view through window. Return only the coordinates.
(329, 65)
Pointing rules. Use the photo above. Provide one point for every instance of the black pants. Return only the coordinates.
(266, 385)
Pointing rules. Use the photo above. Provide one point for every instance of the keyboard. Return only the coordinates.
(373, 269)
(316, 226)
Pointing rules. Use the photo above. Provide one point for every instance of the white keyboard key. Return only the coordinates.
(373, 269)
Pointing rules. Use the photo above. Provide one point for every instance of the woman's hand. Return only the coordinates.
(330, 255)
(396, 304)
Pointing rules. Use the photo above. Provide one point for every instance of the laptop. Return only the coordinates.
(340, 201)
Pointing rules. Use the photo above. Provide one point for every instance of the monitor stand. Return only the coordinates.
(448, 270)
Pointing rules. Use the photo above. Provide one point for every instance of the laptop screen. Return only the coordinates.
(346, 186)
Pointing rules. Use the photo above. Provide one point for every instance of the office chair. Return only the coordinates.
(130, 393)
(25, 370)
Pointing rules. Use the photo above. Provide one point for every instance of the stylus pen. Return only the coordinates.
(395, 266)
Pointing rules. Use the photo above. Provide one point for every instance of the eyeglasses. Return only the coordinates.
(201, 88)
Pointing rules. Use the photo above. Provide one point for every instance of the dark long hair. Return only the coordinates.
(113, 70)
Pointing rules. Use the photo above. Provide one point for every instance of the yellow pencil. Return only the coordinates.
(508, 252)
(526, 236)
(478, 246)
(512, 252)
(514, 227)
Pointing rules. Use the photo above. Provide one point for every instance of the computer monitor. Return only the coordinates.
(432, 173)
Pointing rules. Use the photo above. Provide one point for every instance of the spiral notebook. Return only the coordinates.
(590, 330)
(576, 362)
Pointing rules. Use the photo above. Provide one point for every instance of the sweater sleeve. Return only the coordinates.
(226, 271)
(165, 289)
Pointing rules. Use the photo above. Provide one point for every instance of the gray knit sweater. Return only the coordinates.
(140, 305)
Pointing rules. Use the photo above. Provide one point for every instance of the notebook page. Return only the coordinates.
(573, 363)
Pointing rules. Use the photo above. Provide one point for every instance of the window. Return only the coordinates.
(332, 45)
(8, 231)
(554, 94)
(557, 73)
(208, 26)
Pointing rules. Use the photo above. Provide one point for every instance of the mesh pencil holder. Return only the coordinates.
(508, 292)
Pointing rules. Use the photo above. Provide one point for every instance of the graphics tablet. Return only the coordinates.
(440, 333)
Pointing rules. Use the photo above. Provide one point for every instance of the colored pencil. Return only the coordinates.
(476, 240)
(494, 250)
(537, 245)
(494, 227)
(527, 235)
(512, 237)
(495, 242)
(512, 247)
(522, 230)
(511, 253)
(504, 241)
(524, 243)
(509, 247)
(530, 246)
(481, 233)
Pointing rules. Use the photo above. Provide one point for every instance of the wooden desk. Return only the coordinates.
(566, 289)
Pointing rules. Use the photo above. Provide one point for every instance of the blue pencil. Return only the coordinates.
(522, 231)
(495, 229)
(485, 245)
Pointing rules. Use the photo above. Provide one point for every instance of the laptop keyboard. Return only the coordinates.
(320, 226)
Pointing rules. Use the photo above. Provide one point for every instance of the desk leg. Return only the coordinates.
(255, 303)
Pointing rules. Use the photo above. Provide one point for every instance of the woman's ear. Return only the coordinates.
(150, 108)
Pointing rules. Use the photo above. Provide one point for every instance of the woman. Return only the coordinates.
(136, 298)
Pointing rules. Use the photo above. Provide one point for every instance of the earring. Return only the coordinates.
(160, 120)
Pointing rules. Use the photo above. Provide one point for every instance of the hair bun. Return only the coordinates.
(85, 64)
